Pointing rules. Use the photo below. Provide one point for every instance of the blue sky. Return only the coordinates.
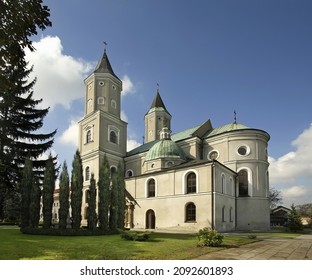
(209, 58)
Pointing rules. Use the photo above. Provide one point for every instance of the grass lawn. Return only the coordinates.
(162, 246)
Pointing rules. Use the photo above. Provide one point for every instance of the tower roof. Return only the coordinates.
(158, 104)
(104, 66)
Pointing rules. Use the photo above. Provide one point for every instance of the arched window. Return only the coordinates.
(223, 214)
(190, 212)
(113, 171)
(113, 137)
(88, 136)
(243, 183)
(223, 183)
(231, 187)
(129, 173)
(151, 188)
(191, 183)
(87, 173)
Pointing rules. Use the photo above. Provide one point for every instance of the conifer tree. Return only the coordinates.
(92, 217)
(26, 185)
(121, 197)
(35, 197)
(48, 192)
(64, 197)
(104, 194)
(113, 207)
(76, 190)
(294, 221)
(20, 119)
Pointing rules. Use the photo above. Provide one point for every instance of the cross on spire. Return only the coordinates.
(158, 87)
(235, 116)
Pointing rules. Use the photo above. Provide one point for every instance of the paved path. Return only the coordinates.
(299, 248)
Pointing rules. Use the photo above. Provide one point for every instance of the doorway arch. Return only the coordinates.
(150, 219)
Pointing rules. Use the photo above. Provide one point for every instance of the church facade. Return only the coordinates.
(200, 177)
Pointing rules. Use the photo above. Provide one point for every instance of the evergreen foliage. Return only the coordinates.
(35, 197)
(20, 119)
(64, 197)
(113, 207)
(92, 217)
(76, 190)
(294, 220)
(121, 197)
(48, 191)
(209, 237)
(26, 186)
(104, 194)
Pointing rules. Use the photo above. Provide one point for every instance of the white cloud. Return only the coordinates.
(71, 134)
(59, 76)
(127, 86)
(292, 172)
(131, 144)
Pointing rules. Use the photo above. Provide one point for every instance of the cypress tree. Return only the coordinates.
(121, 197)
(76, 190)
(26, 185)
(20, 119)
(35, 203)
(64, 197)
(113, 207)
(48, 192)
(104, 194)
(92, 217)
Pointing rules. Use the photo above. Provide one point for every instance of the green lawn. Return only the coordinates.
(15, 246)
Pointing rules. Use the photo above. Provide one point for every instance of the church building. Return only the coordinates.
(204, 176)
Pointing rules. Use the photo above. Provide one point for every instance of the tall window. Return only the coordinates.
(223, 183)
(191, 183)
(87, 173)
(88, 136)
(151, 188)
(231, 214)
(190, 212)
(223, 214)
(113, 137)
(243, 183)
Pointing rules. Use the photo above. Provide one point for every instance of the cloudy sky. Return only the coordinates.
(209, 57)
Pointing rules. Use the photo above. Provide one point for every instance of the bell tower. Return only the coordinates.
(156, 119)
(101, 131)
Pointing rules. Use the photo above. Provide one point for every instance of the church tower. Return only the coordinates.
(101, 131)
(156, 119)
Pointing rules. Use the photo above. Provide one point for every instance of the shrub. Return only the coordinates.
(209, 237)
(252, 236)
(135, 236)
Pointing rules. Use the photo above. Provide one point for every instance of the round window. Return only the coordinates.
(213, 155)
(243, 150)
(101, 83)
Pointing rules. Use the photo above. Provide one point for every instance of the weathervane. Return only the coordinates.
(105, 46)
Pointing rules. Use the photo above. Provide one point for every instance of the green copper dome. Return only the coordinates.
(165, 149)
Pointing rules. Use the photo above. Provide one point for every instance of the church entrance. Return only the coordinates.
(150, 219)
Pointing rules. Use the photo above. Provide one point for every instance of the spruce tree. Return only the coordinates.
(294, 220)
(26, 186)
(64, 197)
(20, 119)
(104, 194)
(35, 197)
(92, 217)
(48, 192)
(76, 190)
